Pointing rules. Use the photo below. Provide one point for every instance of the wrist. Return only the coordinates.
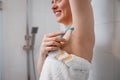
(43, 55)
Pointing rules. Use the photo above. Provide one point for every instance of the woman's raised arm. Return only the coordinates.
(83, 22)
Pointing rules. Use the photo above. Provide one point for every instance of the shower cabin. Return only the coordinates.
(21, 18)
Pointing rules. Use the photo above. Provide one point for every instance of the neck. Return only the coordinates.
(67, 24)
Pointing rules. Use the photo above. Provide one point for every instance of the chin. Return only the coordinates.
(60, 20)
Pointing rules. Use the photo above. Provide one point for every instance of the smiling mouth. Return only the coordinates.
(57, 13)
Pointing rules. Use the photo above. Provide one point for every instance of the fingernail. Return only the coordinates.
(62, 43)
(64, 39)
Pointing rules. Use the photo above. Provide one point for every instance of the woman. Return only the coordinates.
(79, 15)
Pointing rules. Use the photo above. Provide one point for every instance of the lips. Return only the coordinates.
(57, 13)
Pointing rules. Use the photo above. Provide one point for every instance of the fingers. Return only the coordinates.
(49, 49)
(55, 34)
(52, 42)
(54, 37)
(57, 39)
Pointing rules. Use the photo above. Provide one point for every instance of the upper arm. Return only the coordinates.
(82, 14)
(82, 18)
(83, 22)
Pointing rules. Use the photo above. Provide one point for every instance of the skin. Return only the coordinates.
(76, 13)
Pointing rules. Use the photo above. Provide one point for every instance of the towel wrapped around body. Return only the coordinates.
(59, 65)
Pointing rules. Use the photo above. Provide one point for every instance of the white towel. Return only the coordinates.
(76, 68)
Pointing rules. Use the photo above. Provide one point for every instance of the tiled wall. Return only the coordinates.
(14, 23)
(107, 17)
(14, 31)
(1, 47)
(117, 32)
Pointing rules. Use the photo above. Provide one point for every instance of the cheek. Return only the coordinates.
(66, 12)
(64, 9)
(64, 6)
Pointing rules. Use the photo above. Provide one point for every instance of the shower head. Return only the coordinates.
(34, 30)
(0, 5)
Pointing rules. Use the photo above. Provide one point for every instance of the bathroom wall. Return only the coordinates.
(14, 30)
(14, 23)
(1, 47)
(116, 47)
(105, 64)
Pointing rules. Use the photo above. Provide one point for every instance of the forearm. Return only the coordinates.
(40, 63)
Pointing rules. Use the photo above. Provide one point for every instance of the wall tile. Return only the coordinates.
(104, 34)
(105, 67)
(117, 10)
(14, 30)
(103, 11)
(1, 46)
(116, 42)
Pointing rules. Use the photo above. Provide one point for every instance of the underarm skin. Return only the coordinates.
(83, 22)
